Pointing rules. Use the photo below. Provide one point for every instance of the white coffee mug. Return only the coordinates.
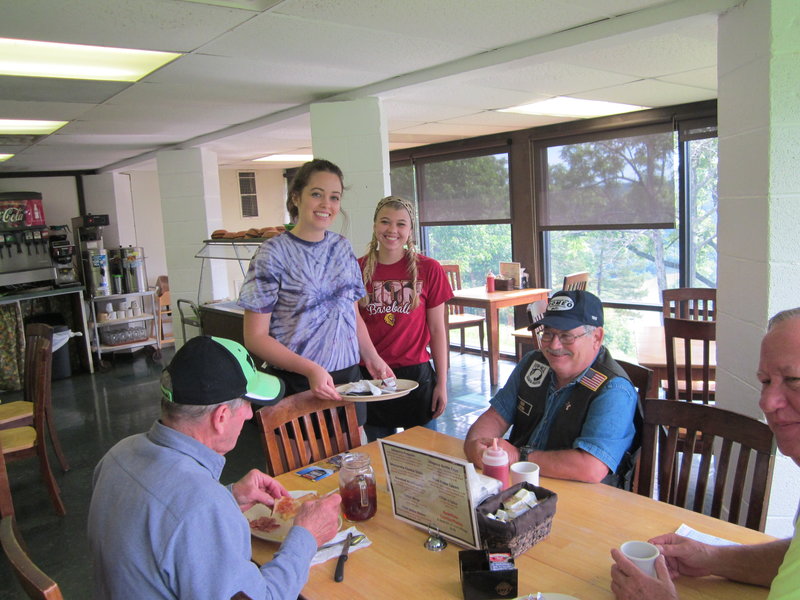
(642, 554)
(525, 471)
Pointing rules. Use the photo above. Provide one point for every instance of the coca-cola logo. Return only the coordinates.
(12, 215)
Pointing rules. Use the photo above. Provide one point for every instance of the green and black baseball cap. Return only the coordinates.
(211, 370)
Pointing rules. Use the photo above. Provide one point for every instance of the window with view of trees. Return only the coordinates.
(631, 198)
(612, 207)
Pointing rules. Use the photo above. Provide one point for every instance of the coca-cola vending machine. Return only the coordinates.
(24, 249)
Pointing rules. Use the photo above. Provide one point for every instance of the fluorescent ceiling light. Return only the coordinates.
(285, 158)
(20, 126)
(563, 106)
(25, 58)
(5, 157)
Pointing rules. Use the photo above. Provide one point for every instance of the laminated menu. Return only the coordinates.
(431, 490)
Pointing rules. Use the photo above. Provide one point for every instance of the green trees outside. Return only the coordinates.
(611, 208)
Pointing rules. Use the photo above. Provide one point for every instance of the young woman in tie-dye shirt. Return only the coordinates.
(301, 290)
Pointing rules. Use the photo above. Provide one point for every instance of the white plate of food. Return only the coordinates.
(273, 524)
(403, 387)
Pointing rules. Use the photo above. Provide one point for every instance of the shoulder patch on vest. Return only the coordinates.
(536, 374)
(593, 379)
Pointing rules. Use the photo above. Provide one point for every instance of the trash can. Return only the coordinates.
(61, 364)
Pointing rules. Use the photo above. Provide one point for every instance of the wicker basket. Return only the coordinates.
(521, 533)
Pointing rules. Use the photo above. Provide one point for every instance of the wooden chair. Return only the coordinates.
(164, 317)
(526, 340)
(6, 503)
(742, 443)
(24, 442)
(301, 430)
(640, 378)
(575, 281)
(36, 584)
(689, 368)
(698, 304)
(458, 319)
(20, 412)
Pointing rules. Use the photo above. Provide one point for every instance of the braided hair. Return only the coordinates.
(411, 252)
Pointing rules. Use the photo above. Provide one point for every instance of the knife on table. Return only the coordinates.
(339, 573)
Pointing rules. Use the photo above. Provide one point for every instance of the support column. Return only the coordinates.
(353, 134)
(191, 210)
(759, 205)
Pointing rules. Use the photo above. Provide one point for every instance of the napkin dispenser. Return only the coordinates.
(483, 577)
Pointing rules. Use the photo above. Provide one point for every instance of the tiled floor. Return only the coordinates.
(94, 412)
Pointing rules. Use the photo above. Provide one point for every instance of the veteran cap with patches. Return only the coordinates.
(211, 370)
(570, 309)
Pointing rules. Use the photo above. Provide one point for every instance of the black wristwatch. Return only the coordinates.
(523, 452)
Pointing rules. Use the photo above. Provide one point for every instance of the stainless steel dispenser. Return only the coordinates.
(133, 269)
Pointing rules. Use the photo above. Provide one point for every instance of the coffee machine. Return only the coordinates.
(88, 232)
(24, 250)
(63, 253)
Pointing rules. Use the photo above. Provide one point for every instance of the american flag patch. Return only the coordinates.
(593, 379)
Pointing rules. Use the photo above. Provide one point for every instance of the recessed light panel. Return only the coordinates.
(5, 157)
(26, 58)
(563, 106)
(20, 126)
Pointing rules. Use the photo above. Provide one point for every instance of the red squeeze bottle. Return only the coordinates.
(490, 282)
(495, 463)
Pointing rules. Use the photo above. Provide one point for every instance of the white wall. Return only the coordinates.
(148, 222)
(59, 195)
(271, 194)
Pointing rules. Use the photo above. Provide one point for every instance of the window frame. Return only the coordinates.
(247, 196)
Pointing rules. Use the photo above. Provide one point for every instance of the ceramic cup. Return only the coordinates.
(642, 554)
(524, 471)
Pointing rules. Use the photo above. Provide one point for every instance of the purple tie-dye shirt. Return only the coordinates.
(310, 288)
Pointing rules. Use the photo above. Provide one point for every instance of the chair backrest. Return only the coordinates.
(735, 444)
(699, 304)
(689, 344)
(575, 281)
(640, 378)
(36, 584)
(35, 334)
(301, 429)
(535, 311)
(37, 386)
(453, 273)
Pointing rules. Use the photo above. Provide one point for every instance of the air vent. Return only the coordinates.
(19, 140)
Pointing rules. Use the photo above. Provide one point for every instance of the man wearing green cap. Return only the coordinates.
(160, 523)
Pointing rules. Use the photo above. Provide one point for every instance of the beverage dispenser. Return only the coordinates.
(63, 253)
(88, 231)
(24, 250)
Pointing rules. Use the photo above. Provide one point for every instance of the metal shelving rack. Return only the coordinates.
(148, 316)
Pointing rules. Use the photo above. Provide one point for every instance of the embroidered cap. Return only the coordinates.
(570, 309)
(211, 370)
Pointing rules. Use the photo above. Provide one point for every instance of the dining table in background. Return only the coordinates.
(651, 352)
(574, 559)
(492, 302)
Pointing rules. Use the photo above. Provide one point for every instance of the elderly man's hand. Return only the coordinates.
(320, 517)
(257, 487)
(630, 583)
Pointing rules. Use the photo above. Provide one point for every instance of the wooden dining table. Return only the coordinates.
(651, 352)
(492, 302)
(574, 559)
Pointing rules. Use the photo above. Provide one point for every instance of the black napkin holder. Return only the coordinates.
(479, 582)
